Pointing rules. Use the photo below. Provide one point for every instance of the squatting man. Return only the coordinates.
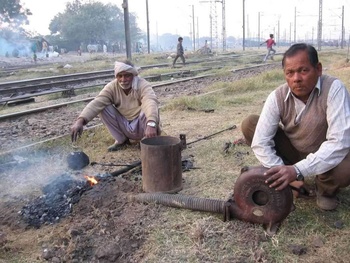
(304, 128)
(127, 106)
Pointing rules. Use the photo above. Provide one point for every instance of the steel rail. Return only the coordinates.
(39, 89)
(155, 86)
(21, 83)
(86, 128)
(110, 72)
(26, 112)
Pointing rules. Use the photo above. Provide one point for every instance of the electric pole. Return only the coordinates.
(223, 26)
(342, 28)
(213, 23)
(259, 29)
(194, 33)
(319, 32)
(148, 41)
(127, 29)
(295, 25)
(243, 25)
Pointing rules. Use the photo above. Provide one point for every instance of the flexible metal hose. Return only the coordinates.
(182, 201)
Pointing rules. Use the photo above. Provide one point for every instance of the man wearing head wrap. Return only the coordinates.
(127, 106)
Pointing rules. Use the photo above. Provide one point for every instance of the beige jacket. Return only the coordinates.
(141, 98)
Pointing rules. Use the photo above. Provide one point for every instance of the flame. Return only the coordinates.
(92, 180)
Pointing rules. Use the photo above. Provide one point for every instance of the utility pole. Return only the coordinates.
(259, 29)
(197, 33)
(342, 28)
(194, 33)
(191, 31)
(295, 24)
(213, 23)
(211, 32)
(278, 33)
(223, 26)
(157, 36)
(148, 41)
(319, 32)
(243, 25)
(127, 29)
(248, 29)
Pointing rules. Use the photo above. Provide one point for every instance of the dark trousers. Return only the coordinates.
(179, 56)
(328, 183)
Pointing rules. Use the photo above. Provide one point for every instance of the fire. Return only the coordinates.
(92, 180)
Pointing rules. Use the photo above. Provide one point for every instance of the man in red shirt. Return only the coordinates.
(270, 51)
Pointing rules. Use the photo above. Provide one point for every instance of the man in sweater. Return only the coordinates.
(304, 128)
(127, 106)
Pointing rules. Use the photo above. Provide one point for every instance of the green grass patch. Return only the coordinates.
(192, 103)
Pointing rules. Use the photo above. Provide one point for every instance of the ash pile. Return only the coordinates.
(56, 202)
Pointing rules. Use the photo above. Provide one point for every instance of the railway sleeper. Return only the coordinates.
(68, 93)
(20, 101)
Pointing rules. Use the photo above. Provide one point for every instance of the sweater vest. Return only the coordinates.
(307, 135)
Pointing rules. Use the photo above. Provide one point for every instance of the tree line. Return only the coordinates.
(77, 26)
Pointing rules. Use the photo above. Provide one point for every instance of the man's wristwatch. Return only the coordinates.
(300, 177)
(152, 124)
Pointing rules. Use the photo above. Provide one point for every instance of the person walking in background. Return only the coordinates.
(179, 51)
(304, 128)
(34, 48)
(44, 48)
(270, 51)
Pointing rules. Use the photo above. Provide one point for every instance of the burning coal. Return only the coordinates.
(57, 200)
(91, 179)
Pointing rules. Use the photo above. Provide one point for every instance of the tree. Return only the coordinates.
(92, 23)
(13, 13)
(12, 36)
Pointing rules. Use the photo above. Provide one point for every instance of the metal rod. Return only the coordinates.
(211, 135)
(111, 164)
(126, 169)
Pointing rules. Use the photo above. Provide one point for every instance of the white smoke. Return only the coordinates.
(15, 48)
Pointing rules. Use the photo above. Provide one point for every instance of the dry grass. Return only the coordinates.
(188, 236)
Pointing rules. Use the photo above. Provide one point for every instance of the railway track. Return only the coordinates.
(155, 87)
(37, 125)
(23, 89)
(181, 76)
(9, 70)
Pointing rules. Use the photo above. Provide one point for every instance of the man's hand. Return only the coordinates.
(77, 129)
(279, 177)
(150, 132)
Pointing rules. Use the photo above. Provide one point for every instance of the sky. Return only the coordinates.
(281, 17)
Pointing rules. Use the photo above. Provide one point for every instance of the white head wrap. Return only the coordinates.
(122, 67)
